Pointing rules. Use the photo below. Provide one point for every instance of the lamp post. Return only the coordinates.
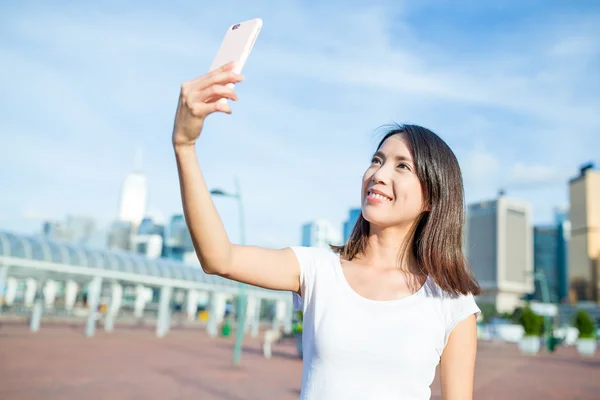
(242, 302)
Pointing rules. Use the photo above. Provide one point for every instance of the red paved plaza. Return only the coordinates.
(58, 362)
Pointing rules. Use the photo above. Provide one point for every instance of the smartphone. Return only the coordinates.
(237, 44)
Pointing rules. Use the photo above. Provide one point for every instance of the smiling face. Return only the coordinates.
(391, 190)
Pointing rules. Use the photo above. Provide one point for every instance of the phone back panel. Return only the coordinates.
(237, 44)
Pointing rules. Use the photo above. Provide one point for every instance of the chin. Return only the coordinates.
(376, 217)
(380, 217)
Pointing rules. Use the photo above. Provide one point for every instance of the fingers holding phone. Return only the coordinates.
(213, 89)
(201, 97)
(210, 92)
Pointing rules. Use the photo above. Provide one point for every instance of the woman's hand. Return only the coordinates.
(201, 97)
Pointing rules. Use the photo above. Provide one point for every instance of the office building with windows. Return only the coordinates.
(584, 244)
(500, 250)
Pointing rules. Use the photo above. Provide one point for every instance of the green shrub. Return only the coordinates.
(531, 322)
(515, 317)
(542, 325)
(298, 326)
(506, 315)
(585, 325)
(488, 311)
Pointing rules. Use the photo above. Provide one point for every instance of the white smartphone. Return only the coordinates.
(237, 44)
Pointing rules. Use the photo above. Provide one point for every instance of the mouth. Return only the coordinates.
(378, 196)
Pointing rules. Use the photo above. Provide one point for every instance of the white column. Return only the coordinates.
(280, 314)
(93, 299)
(36, 315)
(216, 312)
(191, 305)
(49, 293)
(36, 311)
(11, 291)
(164, 311)
(116, 298)
(141, 298)
(30, 290)
(253, 315)
(71, 289)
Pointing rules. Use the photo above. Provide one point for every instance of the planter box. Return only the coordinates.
(586, 347)
(529, 345)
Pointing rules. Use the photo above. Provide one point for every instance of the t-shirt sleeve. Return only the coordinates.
(458, 309)
(307, 258)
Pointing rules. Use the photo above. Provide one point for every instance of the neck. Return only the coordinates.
(386, 248)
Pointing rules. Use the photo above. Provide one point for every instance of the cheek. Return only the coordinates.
(366, 179)
(412, 193)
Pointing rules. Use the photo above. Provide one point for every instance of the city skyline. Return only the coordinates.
(516, 100)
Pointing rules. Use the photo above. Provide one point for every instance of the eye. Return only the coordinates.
(376, 160)
(404, 166)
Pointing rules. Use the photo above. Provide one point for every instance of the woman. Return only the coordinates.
(382, 311)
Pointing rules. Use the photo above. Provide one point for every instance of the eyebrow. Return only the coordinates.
(397, 157)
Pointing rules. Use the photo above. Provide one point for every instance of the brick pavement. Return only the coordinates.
(58, 362)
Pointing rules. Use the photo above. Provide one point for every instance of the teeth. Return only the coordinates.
(379, 197)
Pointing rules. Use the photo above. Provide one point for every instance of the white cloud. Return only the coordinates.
(480, 166)
(32, 213)
(536, 174)
(576, 46)
(95, 84)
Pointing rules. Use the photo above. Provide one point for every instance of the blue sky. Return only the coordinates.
(512, 86)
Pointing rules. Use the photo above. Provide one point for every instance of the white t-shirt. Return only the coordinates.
(356, 348)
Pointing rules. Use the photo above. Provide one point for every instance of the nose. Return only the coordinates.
(382, 175)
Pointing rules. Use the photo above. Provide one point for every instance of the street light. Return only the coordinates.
(242, 303)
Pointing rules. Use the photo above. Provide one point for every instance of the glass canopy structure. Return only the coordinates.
(28, 253)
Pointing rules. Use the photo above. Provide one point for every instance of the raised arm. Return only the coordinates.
(271, 269)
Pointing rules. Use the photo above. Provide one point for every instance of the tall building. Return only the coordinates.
(77, 229)
(178, 241)
(563, 223)
(134, 194)
(550, 244)
(584, 246)
(120, 235)
(545, 260)
(320, 233)
(149, 238)
(56, 230)
(500, 250)
(353, 215)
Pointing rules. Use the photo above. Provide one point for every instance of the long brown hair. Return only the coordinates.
(437, 234)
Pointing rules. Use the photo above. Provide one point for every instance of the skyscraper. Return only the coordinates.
(500, 250)
(563, 223)
(584, 245)
(76, 228)
(178, 242)
(132, 205)
(120, 235)
(353, 215)
(149, 238)
(320, 233)
(550, 244)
